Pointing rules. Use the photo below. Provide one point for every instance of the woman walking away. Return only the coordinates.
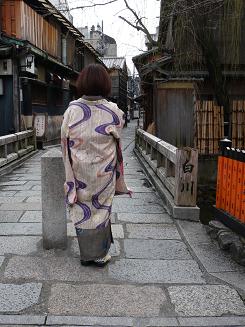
(90, 137)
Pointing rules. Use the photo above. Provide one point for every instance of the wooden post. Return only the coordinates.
(160, 160)
(147, 148)
(186, 177)
(3, 151)
(34, 139)
(153, 153)
(169, 168)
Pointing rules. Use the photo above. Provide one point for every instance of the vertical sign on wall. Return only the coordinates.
(40, 122)
(186, 177)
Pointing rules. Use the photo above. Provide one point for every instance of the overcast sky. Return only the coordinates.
(129, 41)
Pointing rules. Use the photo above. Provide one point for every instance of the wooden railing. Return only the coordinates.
(14, 146)
(176, 168)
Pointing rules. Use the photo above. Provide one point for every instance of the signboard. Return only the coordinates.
(40, 122)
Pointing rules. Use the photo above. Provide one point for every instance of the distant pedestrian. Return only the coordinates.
(90, 138)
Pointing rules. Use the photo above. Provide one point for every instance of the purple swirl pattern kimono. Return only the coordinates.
(90, 138)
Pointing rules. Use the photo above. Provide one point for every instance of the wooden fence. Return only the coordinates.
(176, 168)
(238, 124)
(14, 146)
(209, 120)
(209, 129)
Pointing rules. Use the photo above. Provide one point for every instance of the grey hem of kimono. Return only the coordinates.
(94, 243)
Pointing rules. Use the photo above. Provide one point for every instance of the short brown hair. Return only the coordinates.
(94, 80)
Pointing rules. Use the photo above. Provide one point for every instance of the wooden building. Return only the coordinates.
(41, 55)
(119, 76)
(196, 95)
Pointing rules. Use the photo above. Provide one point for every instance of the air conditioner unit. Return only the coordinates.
(6, 67)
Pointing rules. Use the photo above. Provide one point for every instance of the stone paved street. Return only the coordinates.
(163, 272)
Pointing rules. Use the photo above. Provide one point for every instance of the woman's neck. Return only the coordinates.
(92, 97)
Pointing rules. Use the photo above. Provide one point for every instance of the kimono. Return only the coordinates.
(90, 139)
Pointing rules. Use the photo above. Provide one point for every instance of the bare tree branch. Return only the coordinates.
(139, 25)
(93, 5)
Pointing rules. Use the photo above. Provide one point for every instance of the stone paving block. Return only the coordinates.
(16, 199)
(117, 231)
(137, 201)
(156, 249)
(7, 193)
(114, 250)
(194, 232)
(52, 268)
(1, 260)
(36, 199)
(21, 245)
(212, 321)
(136, 172)
(19, 320)
(31, 217)
(144, 231)
(30, 177)
(136, 205)
(206, 300)
(9, 177)
(14, 298)
(135, 181)
(142, 189)
(128, 173)
(146, 218)
(15, 188)
(36, 187)
(137, 208)
(20, 228)
(25, 325)
(106, 300)
(10, 216)
(21, 206)
(156, 271)
(34, 183)
(92, 321)
(5, 183)
(34, 170)
(235, 278)
(146, 196)
(214, 259)
(28, 193)
(20, 171)
(159, 322)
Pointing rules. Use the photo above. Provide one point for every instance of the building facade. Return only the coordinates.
(41, 55)
(118, 71)
(103, 43)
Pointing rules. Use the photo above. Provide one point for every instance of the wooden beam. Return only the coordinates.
(175, 85)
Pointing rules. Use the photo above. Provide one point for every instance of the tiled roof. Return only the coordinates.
(114, 62)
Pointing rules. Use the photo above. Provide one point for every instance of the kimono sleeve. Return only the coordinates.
(116, 130)
(69, 185)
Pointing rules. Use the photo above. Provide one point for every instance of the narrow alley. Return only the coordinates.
(162, 272)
